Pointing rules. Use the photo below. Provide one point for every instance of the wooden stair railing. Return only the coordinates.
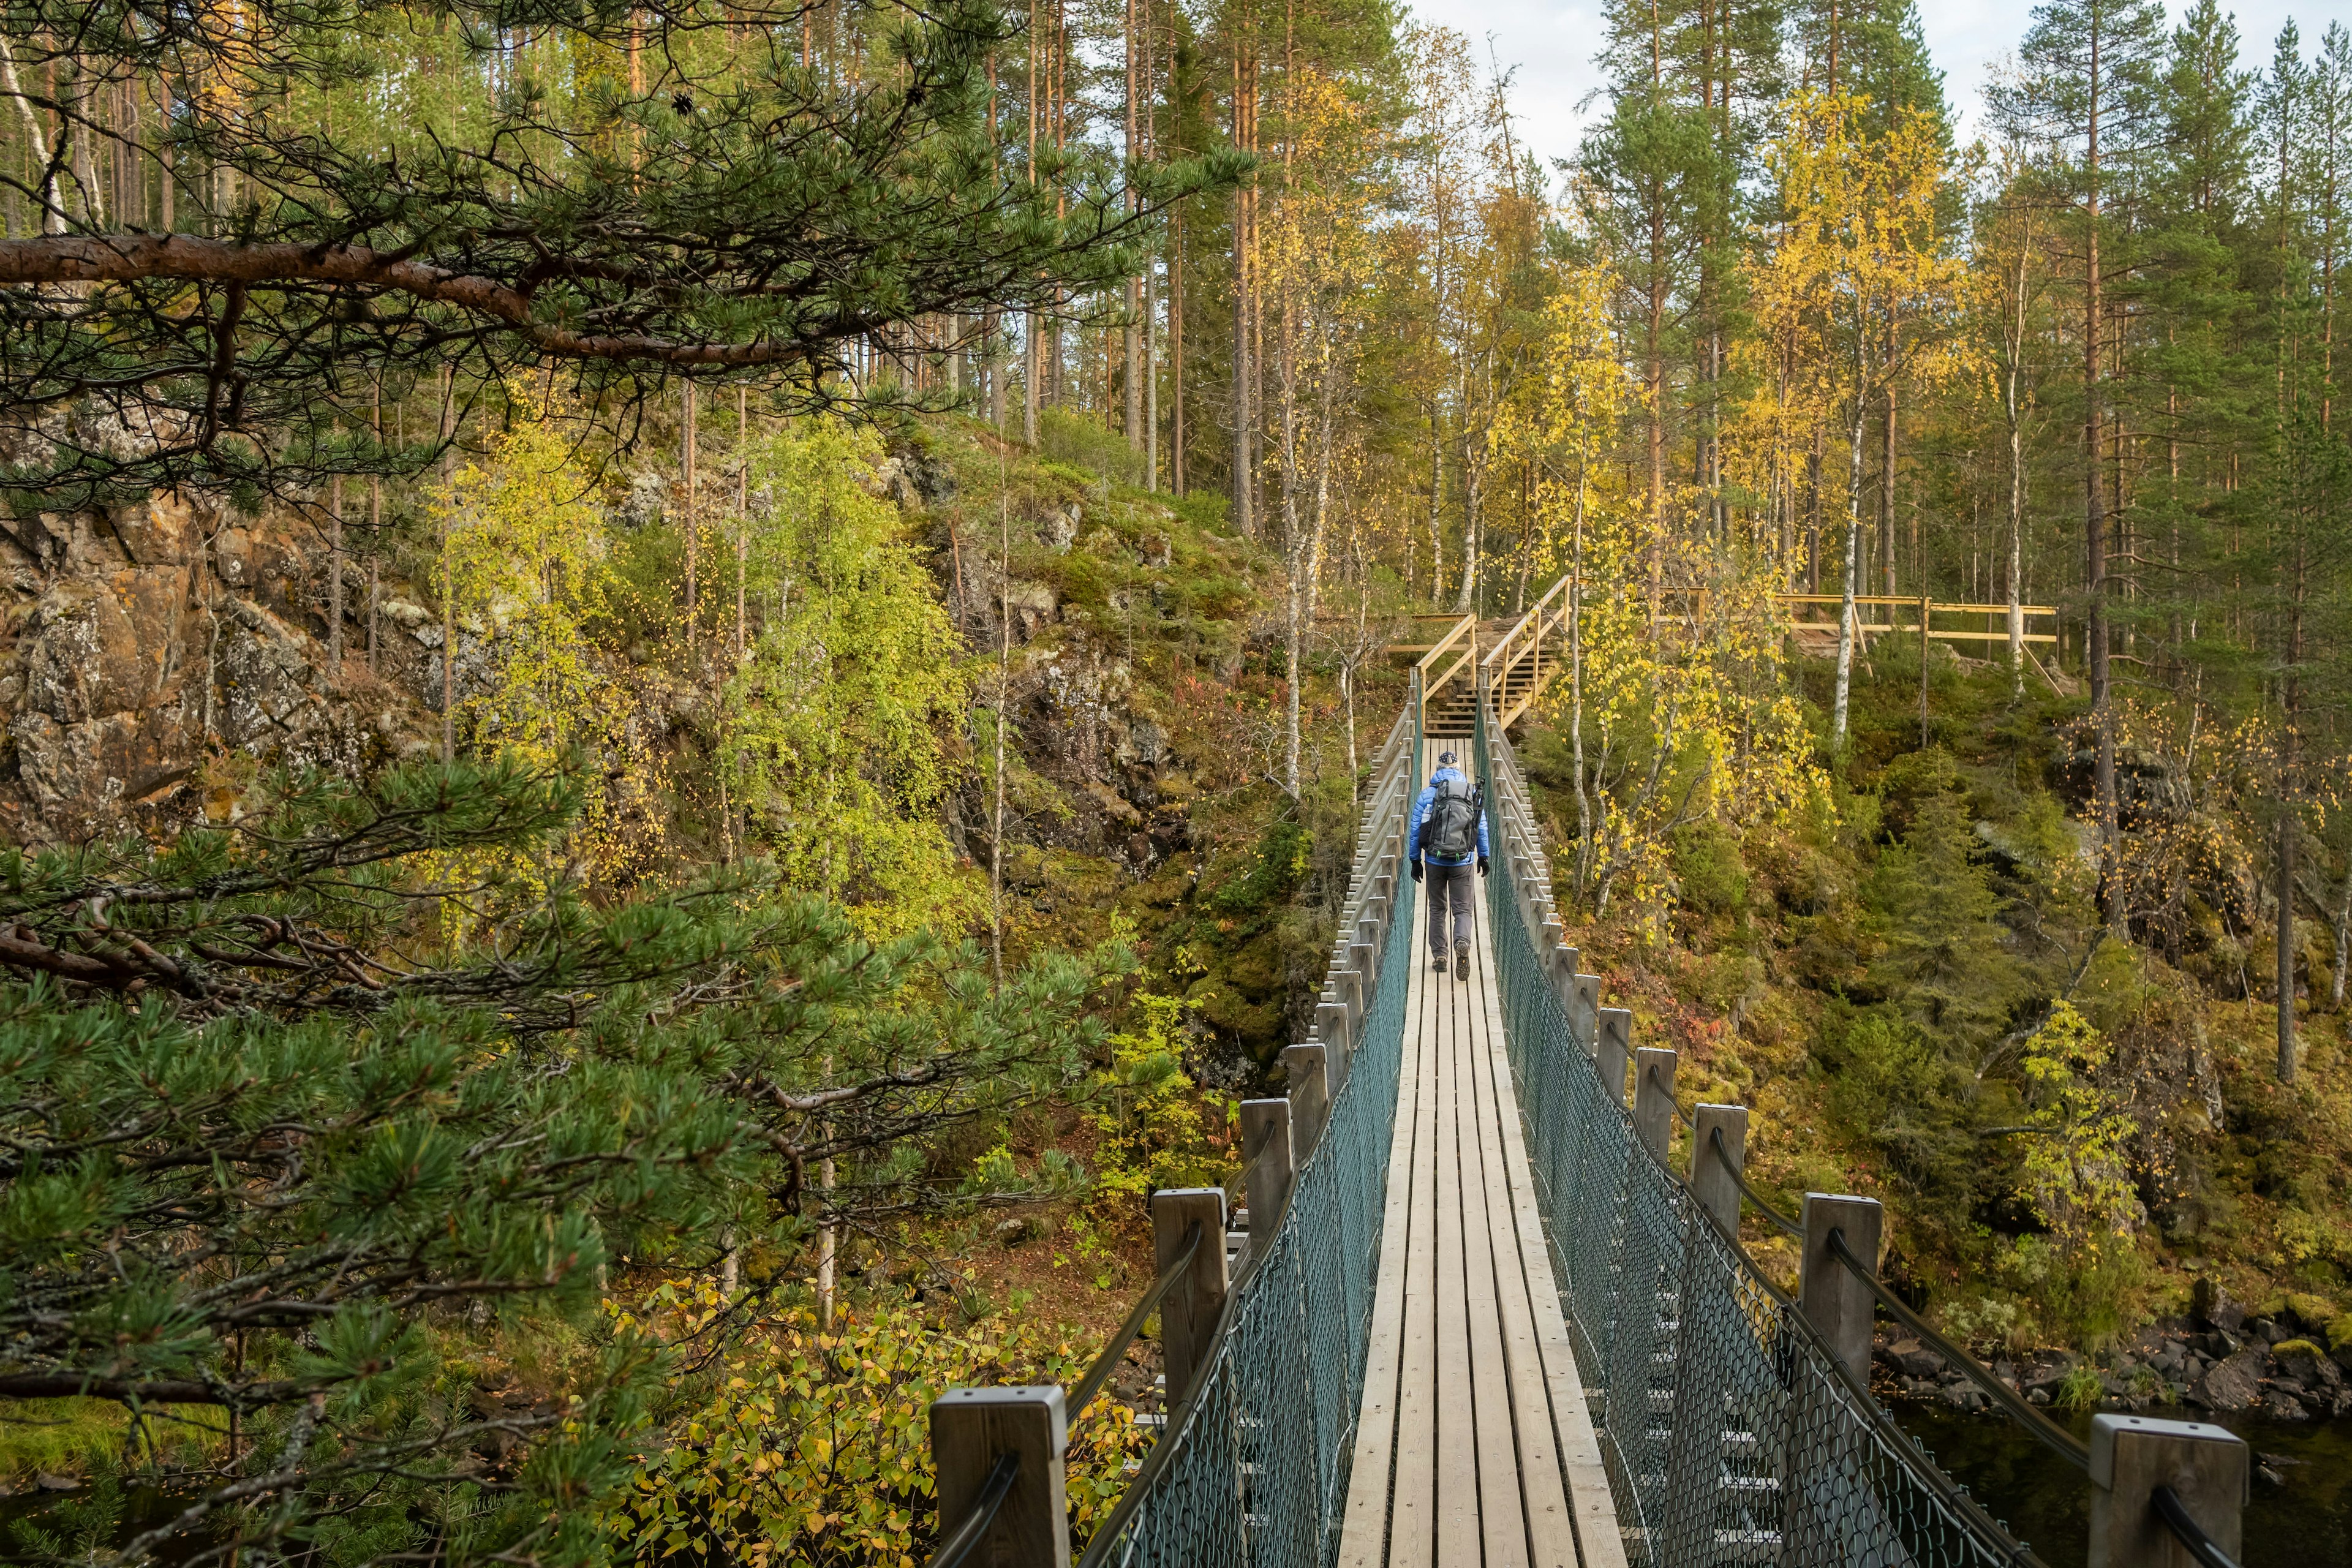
(1515, 667)
(1455, 651)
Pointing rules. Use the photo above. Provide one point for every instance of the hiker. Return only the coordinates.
(1449, 831)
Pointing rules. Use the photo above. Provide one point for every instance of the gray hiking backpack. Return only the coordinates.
(1452, 829)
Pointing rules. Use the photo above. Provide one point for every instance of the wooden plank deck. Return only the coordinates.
(1474, 1448)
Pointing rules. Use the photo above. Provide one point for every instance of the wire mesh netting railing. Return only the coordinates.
(1731, 1432)
(1251, 1467)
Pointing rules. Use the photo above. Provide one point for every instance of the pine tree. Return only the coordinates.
(291, 1108)
(514, 207)
(2085, 89)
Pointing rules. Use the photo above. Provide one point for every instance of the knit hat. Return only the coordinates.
(1445, 759)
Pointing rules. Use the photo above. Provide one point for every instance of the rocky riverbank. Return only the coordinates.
(2283, 1363)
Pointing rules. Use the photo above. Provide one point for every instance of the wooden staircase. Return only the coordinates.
(1511, 660)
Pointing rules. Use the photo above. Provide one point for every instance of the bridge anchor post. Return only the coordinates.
(1189, 1312)
(1710, 1181)
(2131, 1456)
(972, 1431)
(1839, 1305)
(1267, 1156)
(1654, 1099)
(1613, 1040)
(1310, 1096)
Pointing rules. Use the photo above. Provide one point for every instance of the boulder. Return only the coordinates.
(2213, 1307)
(1916, 1359)
(2304, 1364)
(2232, 1385)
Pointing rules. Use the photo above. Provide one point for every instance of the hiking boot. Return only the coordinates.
(1437, 964)
(1461, 963)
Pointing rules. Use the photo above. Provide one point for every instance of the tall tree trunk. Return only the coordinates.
(449, 583)
(2013, 407)
(2095, 533)
(693, 541)
(1176, 431)
(1133, 356)
(1473, 498)
(1847, 630)
(1886, 494)
(2343, 938)
(1436, 498)
(1245, 377)
(335, 581)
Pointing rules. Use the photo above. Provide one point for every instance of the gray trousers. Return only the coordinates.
(1449, 888)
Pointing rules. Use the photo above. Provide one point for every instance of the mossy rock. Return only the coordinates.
(2340, 1332)
(2312, 1314)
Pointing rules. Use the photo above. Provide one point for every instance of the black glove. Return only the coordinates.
(1481, 865)
(1416, 868)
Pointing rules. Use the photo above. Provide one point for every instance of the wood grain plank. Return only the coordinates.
(1459, 1537)
(1543, 1493)
(1412, 1515)
(1600, 1543)
(1364, 1527)
(1502, 1514)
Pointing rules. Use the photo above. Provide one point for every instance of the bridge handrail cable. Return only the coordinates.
(1785, 1439)
(1255, 1449)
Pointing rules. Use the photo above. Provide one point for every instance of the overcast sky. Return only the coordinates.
(1552, 43)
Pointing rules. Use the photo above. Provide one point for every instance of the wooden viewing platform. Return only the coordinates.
(1474, 1448)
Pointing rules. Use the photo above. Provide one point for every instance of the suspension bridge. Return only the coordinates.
(1484, 1304)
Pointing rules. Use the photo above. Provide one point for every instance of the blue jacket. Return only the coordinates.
(1421, 814)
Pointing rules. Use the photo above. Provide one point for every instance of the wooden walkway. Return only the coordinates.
(1474, 1448)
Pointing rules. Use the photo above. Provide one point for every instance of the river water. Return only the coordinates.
(2303, 1521)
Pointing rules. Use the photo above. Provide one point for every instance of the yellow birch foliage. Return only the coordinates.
(2076, 1173)
(1675, 709)
(835, 725)
(524, 557)
(811, 1448)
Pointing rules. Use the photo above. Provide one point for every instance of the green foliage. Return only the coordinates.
(1081, 443)
(1944, 956)
(803, 1447)
(2080, 1392)
(1708, 869)
(834, 738)
(1155, 1125)
(271, 1129)
(1892, 1088)
(2075, 1171)
(1277, 865)
(623, 225)
(524, 559)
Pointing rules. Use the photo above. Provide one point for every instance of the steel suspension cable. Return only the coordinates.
(2185, 1530)
(966, 1535)
(1715, 1142)
(2054, 1437)
(1108, 1357)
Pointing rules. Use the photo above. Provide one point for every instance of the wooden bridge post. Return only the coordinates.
(971, 1429)
(1565, 962)
(1351, 989)
(1269, 1156)
(1310, 1096)
(1612, 1041)
(2131, 1456)
(1839, 1305)
(1654, 1099)
(1718, 1194)
(1189, 1312)
(1331, 1027)
(1584, 1011)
